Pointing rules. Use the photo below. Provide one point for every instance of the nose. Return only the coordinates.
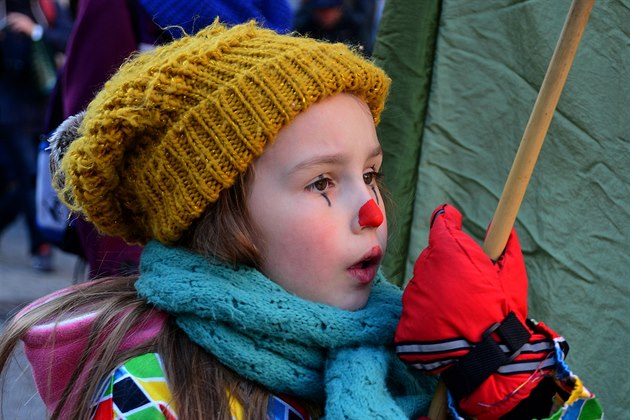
(370, 214)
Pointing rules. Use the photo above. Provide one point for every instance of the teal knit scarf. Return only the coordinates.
(286, 343)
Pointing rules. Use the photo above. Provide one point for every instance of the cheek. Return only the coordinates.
(308, 236)
(300, 243)
(382, 235)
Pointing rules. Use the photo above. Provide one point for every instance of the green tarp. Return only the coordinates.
(466, 74)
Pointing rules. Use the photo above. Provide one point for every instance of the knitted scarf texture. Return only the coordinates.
(288, 344)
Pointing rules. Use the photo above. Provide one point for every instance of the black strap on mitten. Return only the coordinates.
(486, 357)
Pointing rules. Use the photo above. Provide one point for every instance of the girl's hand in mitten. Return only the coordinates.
(464, 316)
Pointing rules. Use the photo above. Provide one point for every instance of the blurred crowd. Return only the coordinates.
(56, 54)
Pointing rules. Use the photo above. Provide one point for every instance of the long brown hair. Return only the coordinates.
(200, 386)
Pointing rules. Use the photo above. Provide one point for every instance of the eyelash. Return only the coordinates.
(375, 177)
(313, 186)
(370, 178)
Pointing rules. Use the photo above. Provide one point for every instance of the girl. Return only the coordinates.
(247, 163)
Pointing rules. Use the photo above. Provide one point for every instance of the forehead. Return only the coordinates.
(340, 124)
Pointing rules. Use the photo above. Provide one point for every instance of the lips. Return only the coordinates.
(366, 268)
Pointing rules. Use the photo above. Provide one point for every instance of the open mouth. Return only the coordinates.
(365, 269)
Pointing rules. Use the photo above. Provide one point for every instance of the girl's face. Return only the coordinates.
(305, 198)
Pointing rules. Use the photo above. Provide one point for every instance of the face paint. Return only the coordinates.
(370, 215)
(376, 195)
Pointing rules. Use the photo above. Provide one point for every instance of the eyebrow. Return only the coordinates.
(330, 160)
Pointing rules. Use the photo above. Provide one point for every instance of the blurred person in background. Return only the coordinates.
(33, 37)
(348, 21)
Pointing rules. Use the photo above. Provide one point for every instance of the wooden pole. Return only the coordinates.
(536, 129)
(528, 151)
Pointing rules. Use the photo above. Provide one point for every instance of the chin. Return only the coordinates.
(354, 304)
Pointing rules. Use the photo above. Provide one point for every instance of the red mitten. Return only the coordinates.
(464, 316)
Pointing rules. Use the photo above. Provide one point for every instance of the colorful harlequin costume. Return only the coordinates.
(139, 389)
(136, 389)
(465, 317)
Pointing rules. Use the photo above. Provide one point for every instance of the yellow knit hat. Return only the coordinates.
(175, 126)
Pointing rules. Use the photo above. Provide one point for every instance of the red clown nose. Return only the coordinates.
(370, 215)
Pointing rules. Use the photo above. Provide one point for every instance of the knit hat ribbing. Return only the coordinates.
(176, 126)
